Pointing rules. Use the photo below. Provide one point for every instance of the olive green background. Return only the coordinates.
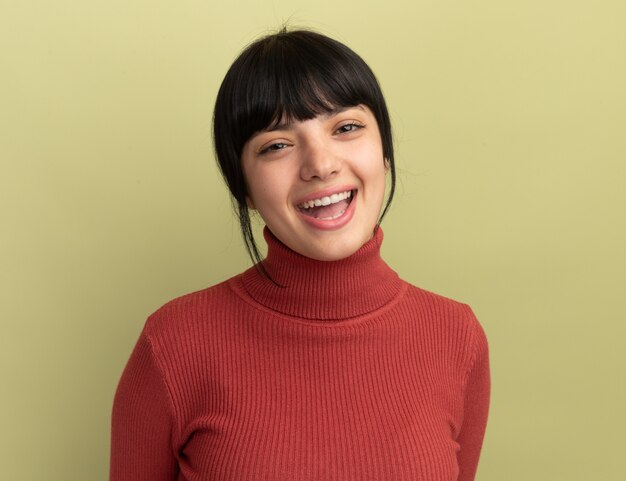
(510, 123)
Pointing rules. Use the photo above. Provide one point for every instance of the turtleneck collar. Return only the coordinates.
(323, 290)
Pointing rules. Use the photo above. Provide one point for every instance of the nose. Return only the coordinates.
(318, 162)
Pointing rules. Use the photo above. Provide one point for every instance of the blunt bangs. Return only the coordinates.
(293, 76)
(288, 77)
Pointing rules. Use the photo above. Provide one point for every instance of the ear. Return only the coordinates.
(386, 164)
(249, 203)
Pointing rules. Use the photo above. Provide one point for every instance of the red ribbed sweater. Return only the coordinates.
(346, 374)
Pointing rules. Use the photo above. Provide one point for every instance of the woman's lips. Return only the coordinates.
(327, 207)
(332, 216)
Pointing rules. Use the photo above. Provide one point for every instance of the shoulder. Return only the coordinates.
(188, 311)
(455, 317)
(188, 330)
(442, 306)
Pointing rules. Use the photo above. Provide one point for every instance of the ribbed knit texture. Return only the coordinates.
(346, 373)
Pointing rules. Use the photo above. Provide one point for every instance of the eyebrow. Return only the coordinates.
(326, 115)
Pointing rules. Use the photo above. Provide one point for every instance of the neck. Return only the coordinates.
(323, 290)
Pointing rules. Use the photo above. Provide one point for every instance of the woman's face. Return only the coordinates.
(318, 184)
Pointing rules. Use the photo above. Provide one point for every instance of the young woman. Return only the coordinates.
(318, 363)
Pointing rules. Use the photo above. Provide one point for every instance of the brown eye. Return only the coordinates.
(273, 147)
(351, 127)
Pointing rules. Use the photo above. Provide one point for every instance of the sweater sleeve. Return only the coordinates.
(475, 407)
(142, 421)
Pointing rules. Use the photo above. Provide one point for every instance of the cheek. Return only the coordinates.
(374, 171)
(375, 175)
(372, 163)
(260, 180)
(266, 190)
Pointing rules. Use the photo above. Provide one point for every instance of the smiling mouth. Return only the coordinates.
(328, 207)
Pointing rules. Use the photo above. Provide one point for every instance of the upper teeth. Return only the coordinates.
(327, 200)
